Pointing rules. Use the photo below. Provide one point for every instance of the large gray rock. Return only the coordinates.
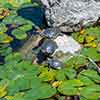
(70, 14)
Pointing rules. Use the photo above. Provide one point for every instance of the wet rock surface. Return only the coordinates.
(69, 15)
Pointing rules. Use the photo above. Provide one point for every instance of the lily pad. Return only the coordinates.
(47, 75)
(17, 3)
(92, 75)
(9, 19)
(26, 27)
(76, 61)
(19, 34)
(91, 53)
(13, 57)
(3, 27)
(87, 81)
(70, 87)
(91, 92)
(41, 92)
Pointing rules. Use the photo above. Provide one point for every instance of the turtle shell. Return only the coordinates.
(56, 64)
(49, 46)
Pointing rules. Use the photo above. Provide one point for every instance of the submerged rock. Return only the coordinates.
(70, 14)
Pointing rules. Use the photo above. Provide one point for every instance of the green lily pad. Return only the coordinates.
(17, 3)
(17, 85)
(21, 21)
(70, 87)
(76, 61)
(17, 96)
(26, 27)
(41, 92)
(91, 53)
(13, 57)
(9, 19)
(60, 75)
(4, 51)
(2, 2)
(47, 75)
(70, 73)
(91, 92)
(27, 68)
(19, 34)
(86, 81)
(2, 37)
(92, 75)
(3, 27)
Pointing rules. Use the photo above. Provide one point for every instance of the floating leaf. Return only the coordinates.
(76, 61)
(60, 75)
(4, 38)
(5, 49)
(91, 92)
(91, 53)
(3, 27)
(27, 68)
(92, 75)
(18, 3)
(3, 87)
(2, 2)
(17, 96)
(21, 21)
(47, 75)
(26, 27)
(19, 84)
(41, 92)
(70, 87)
(86, 81)
(70, 73)
(9, 19)
(13, 57)
(19, 34)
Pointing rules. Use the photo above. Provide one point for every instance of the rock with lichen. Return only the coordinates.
(70, 15)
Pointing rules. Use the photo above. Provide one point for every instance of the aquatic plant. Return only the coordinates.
(20, 79)
(23, 80)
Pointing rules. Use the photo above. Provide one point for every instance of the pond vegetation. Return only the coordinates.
(20, 79)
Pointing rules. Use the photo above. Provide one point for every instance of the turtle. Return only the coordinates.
(55, 63)
(45, 50)
(49, 46)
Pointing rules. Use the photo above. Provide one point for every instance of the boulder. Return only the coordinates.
(70, 15)
(67, 47)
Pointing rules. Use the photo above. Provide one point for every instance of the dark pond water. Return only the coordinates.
(34, 14)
